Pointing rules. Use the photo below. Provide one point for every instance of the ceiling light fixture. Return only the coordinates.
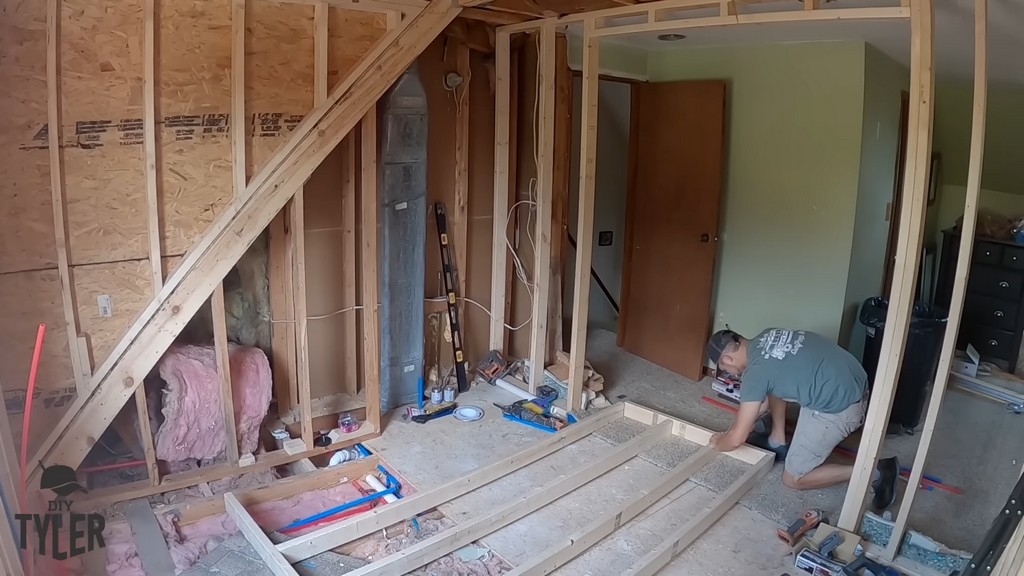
(671, 37)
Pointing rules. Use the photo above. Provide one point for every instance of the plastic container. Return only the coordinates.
(344, 455)
(280, 436)
(920, 357)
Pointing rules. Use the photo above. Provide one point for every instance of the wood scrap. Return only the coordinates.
(149, 539)
(560, 370)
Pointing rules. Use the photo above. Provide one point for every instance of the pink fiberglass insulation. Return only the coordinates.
(193, 424)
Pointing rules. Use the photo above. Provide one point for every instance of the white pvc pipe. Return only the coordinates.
(376, 485)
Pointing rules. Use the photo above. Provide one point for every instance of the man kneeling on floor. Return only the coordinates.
(828, 383)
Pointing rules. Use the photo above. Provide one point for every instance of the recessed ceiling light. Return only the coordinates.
(671, 37)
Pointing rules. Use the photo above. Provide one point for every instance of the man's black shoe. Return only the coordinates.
(761, 441)
(885, 486)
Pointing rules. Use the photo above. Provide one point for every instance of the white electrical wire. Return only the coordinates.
(480, 306)
(320, 317)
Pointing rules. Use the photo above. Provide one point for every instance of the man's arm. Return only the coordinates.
(737, 434)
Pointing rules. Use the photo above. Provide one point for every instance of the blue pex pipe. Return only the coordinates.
(393, 487)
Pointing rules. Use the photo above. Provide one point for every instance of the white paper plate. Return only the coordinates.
(468, 413)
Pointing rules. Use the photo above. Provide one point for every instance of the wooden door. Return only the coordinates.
(677, 167)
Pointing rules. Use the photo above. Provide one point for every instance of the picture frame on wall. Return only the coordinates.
(933, 177)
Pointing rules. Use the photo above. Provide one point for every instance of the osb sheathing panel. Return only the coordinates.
(26, 237)
(329, 337)
(278, 75)
(193, 104)
(101, 84)
(129, 286)
(351, 34)
(28, 299)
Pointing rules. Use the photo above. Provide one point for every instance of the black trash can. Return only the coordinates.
(920, 358)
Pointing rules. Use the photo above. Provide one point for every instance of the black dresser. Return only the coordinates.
(993, 318)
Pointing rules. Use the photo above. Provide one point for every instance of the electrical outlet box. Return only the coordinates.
(105, 305)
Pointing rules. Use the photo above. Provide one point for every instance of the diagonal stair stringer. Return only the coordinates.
(230, 235)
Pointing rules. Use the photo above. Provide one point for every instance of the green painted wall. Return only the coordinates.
(795, 124)
(619, 60)
(884, 81)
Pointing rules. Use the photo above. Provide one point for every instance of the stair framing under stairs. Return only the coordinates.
(234, 230)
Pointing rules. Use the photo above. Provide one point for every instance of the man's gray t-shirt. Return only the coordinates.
(802, 367)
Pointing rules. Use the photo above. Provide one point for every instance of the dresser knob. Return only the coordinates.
(1004, 284)
(987, 253)
(993, 343)
(998, 313)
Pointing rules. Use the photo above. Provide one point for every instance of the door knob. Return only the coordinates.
(705, 238)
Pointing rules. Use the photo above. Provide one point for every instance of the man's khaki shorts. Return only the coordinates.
(818, 433)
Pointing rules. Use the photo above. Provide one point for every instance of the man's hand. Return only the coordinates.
(738, 432)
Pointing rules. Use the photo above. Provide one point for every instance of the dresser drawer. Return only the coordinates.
(987, 253)
(998, 282)
(1013, 257)
(1001, 314)
(990, 342)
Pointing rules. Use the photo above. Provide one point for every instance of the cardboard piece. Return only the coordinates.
(966, 363)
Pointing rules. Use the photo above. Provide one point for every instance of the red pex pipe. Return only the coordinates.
(29, 393)
(117, 466)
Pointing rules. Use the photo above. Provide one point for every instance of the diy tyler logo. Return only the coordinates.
(85, 530)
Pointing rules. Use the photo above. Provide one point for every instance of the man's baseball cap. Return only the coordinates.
(719, 342)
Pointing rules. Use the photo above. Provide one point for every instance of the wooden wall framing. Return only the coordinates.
(182, 155)
(671, 15)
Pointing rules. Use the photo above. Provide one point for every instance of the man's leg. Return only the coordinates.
(777, 408)
(815, 437)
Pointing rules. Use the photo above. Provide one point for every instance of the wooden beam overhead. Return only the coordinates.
(545, 185)
(963, 265)
(493, 16)
(231, 233)
(922, 85)
(585, 216)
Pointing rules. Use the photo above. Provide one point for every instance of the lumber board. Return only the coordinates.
(282, 311)
(104, 497)
(223, 353)
(319, 479)
(560, 167)
(10, 554)
(146, 431)
(149, 140)
(689, 431)
(963, 265)
(425, 551)
(238, 156)
(502, 150)
(369, 201)
(298, 238)
(54, 121)
(460, 212)
(581, 540)
(230, 235)
(254, 534)
(321, 37)
(545, 192)
(350, 261)
(678, 541)
(668, 15)
(149, 540)
(912, 216)
(340, 533)
(585, 216)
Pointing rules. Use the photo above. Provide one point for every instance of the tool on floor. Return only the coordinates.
(440, 412)
(810, 562)
(530, 413)
(868, 567)
(807, 521)
(828, 546)
(448, 272)
(493, 366)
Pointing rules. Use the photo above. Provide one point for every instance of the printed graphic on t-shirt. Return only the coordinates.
(778, 343)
